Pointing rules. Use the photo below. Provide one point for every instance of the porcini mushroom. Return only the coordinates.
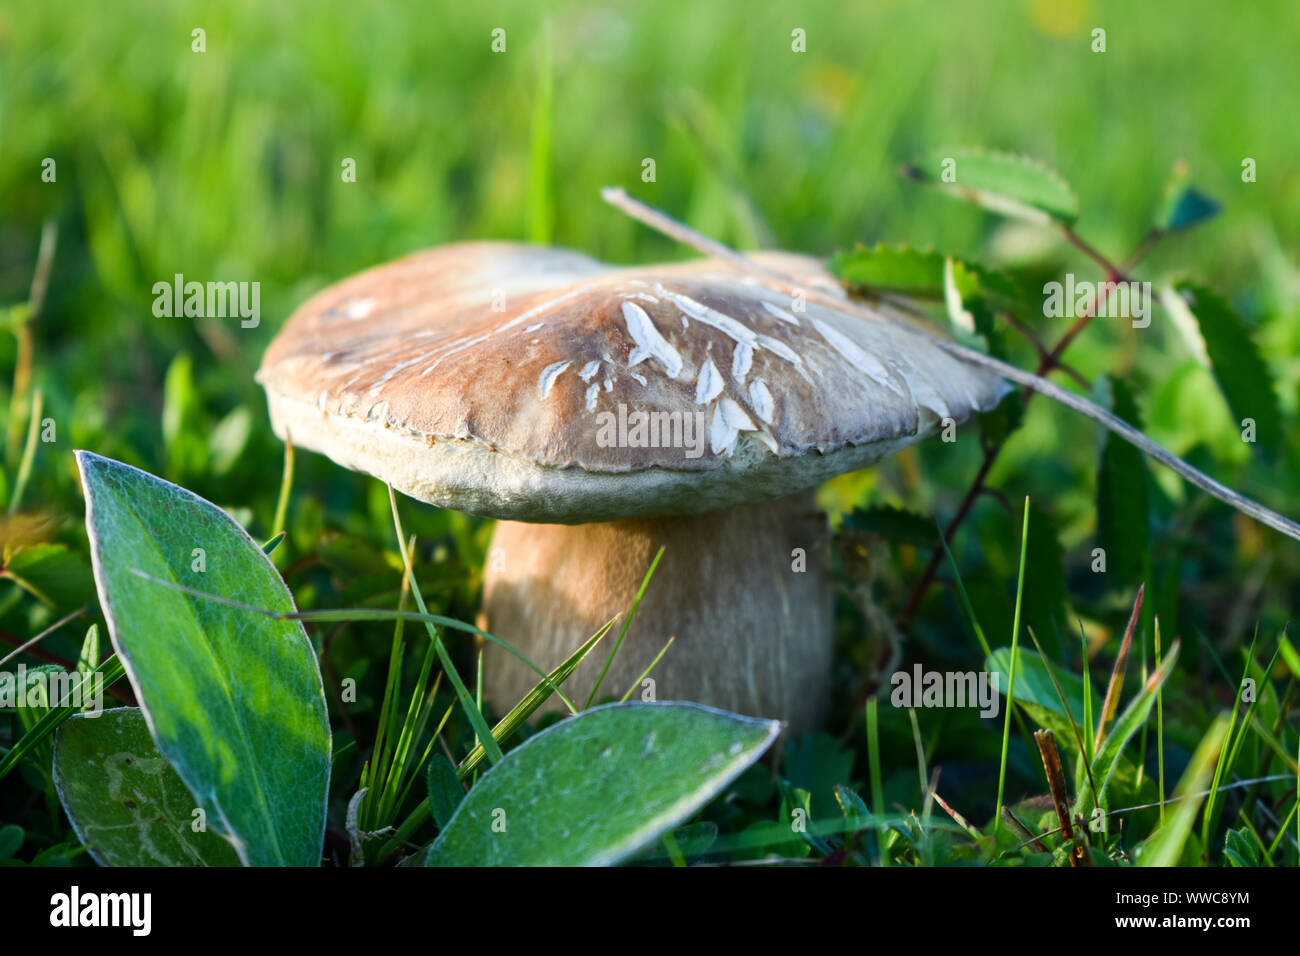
(600, 412)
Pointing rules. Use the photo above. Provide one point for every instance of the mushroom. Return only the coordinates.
(601, 412)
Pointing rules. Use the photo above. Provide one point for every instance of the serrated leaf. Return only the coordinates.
(1006, 183)
(896, 525)
(126, 803)
(1183, 205)
(1122, 505)
(234, 700)
(52, 573)
(595, 788)
(1221, 340)
(1240, 849)
(917, 273)
(914, 272)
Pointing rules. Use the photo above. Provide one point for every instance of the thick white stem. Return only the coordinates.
(744, 591)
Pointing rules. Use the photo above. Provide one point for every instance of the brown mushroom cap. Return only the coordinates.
(485, 377)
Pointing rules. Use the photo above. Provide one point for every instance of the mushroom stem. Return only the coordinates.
(744, 591)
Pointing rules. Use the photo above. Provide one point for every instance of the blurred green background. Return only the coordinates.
(226, 165)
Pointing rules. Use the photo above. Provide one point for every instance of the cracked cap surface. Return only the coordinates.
(538, 384)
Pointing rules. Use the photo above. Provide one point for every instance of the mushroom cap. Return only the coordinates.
(538, 384)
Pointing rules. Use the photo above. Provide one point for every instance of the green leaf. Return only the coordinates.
(1183, 205)
(1128, 724)
(894, 524)
(1045, 597)
(1239, 848)
(539, 695)
(90, 654)
(1164, 847)
(229, 438)
(595, 788)
(183, 420)
(1122, 506)
(445, 792)
(816, 762)
(234, 700)
(901, 269)
(52, 573)
(11, 841)
(1006, 183)
(1000, 423)
(917, 273)
(1221, 341)
(1034, 684)
(126, 804)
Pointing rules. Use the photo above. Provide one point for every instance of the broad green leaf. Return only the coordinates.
(1034, 686)
(595, 788)
(1128, 724)
(445, 792)
(1122, 508)
(1221, 341)
(902, 269)
(1006, 183)
(11, 841)
(896, 525)
(126, 804)
(52, 573)
(1183, 205)
(233, 699)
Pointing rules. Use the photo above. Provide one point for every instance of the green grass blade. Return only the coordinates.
(636, 603)
(1011, 683)
(540, 693)
(1164, 847)
(112, 671)
(646, 673)
(475, 715)
(1128, 724)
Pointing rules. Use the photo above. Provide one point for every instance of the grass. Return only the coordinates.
(226, 165)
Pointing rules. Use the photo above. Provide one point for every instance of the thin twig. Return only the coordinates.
(1274, 778)
(673, 228)
(42, 636)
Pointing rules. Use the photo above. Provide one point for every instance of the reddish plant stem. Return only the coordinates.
(1048, 363)
(123, 694)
